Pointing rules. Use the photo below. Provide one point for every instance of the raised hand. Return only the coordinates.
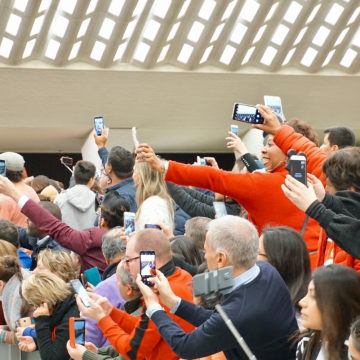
(234, 142)
(146, 154)
(271, 124)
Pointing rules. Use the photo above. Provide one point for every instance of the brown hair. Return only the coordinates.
(7, 248)
(303, 128)
(9, 267)
(59, 263)
(342, 168)
(337, 294)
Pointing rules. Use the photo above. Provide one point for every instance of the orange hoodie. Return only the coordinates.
(137, 338)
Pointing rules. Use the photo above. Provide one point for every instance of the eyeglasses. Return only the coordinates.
(262, 254)
(130, 260)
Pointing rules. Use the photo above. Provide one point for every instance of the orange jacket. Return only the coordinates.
(340, 256)
(259, 193)
(137, 338)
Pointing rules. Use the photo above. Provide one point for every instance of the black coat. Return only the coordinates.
(339, 216)
(196, 203)
(44, 326)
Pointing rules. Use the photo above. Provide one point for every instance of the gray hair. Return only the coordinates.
(196, 229)
(237, 238)
(126, 278)
(112, 243)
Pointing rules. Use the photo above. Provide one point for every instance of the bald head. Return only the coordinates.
(40, 182)
(154, 240)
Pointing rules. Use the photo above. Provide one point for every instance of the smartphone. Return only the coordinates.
(99, 124)
(150, 226)
(93, 276)
(135, 138)
(83, 279)
(220, 209)
(147, 266)
(76, 331)
(98, 174)
(201, 161)
(298, 168)
(129, 222)
(235, 129)
(66, 160)
(25, 322)
(247, 113)
(274, 102)
(80, 290)
(2, 168)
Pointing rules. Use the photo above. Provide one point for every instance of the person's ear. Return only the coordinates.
(103, 223)
(106, 260)
(109, 169)
(351, 188)
(221, 260)
(129, 290)
(334, 148)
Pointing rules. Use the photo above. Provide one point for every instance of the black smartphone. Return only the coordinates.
(80, 290)
(298, 168)
(147, 266)
(2, 168)
(247, 113)
(151, 226)
(99, 124)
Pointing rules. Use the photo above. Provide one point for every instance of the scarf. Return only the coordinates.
(12, 301)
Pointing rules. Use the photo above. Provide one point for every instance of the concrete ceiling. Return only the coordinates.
(48, 105)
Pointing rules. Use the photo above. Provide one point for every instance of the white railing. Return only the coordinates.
(12, 352)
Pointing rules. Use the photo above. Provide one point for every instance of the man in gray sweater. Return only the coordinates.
(77, 204)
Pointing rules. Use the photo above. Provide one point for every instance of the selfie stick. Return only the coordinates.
(236, 334)
(68, 168)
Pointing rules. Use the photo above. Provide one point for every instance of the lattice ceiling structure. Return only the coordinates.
(310, 35)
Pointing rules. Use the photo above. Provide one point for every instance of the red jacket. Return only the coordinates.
(87, 244)
(137, 338)
(340, 256)
(259, 193)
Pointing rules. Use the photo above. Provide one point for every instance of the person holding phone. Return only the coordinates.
(55, 303)
(257, 192)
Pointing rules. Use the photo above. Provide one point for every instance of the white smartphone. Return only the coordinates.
(220, 209)
(298, 168)
(235, 129)
(129, 222)
(274, 102)
(135, 138)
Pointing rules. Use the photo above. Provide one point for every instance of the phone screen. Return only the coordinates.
(274, 103)
(220, 209)
(67, 160)
(2, 168)
(79, 327)
(147, 266)
(247, 113)
(129, 222)
(79, 288)
(150, 226)
(99, 125)
(235, 129)
(298, 170)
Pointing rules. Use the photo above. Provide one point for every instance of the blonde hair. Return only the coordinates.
(151, 183)
(45, 288)
(59, 263)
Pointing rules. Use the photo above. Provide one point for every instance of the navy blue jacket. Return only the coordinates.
(180, 218)
(126, 188)
(260, 310)
(30, 242)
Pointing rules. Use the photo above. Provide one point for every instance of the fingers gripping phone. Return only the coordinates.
(76, 331)
(147, 266)
(298, 168)
(80, 290)
(201, 161)
(129, 222)
(274, 102)
(2, 168)
(99, 124)
(247, 113)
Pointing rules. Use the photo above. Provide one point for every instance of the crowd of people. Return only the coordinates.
(293, 250)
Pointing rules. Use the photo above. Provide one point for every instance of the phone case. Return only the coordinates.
(93, 276)
(72, 336)
(25, 322)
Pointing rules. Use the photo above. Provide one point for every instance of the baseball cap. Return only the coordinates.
(13, 161)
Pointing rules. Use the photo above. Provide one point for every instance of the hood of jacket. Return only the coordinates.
(81, 197)
(62, 309)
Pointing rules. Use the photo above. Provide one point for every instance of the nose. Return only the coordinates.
(264, 150)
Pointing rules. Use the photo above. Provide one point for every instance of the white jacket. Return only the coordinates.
(77, 207)
(154, 210)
